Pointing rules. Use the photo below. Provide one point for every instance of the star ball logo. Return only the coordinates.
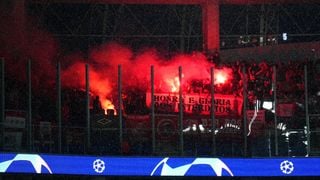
(35, 160)
(286, 167)
(165, 168)
(99, 166)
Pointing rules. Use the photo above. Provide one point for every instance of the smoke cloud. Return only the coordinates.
(21, 40)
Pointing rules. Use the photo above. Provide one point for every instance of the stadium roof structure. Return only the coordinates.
(210, 10)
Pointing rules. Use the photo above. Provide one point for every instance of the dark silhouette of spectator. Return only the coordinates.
(237, 83)
(97, 108)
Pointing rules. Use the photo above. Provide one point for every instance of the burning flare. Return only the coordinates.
(107, 104)
(174, 84)
(221, 76)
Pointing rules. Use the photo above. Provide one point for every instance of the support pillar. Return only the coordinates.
(19, 17)
(210, 26)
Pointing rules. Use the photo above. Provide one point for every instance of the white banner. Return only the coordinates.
(196, 103)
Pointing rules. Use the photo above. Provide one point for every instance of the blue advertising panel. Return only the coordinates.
(157, 166)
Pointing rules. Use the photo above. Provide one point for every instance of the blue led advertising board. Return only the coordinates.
(157, 166)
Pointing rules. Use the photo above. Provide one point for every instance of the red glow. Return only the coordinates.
(74, 77)
(136, 71)
(220, 79)
(136, 67)
(222, 75)
(174, 83)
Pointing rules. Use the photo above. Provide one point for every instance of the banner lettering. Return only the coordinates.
(224, 105)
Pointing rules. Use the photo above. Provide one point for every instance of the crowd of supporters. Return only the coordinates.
(258, 79)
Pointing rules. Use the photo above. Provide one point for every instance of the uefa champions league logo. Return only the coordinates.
(215, 164)
(99, 166)
(36, 161)
(286, 167)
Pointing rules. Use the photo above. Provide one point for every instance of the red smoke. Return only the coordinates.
(22, 40)
(74, 77)
(104, 61)
(136, 67)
